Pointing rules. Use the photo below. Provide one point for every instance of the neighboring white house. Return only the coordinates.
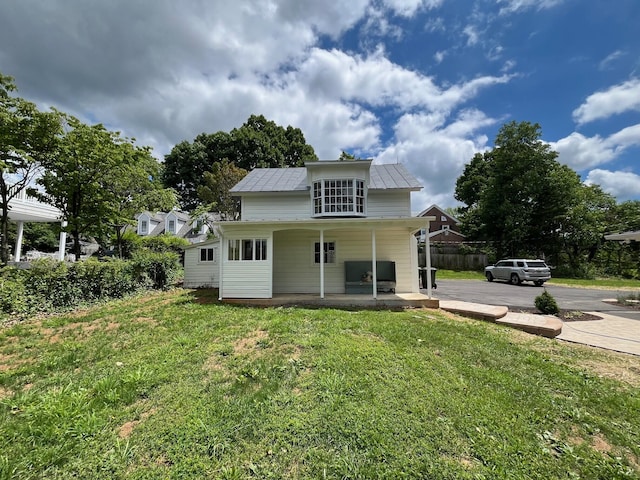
(176, 223)
(302, 230)
(25, 208)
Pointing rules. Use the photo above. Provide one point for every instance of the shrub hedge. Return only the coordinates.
(50, 285)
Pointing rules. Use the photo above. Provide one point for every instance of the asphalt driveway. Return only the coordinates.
(500, 293)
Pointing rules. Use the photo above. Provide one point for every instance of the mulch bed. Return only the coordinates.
(564, 315)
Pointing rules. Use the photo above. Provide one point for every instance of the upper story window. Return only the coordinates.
(144, 227)
(344, 197)
(172, 226)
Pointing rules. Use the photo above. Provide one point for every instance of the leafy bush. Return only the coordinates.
(164, 243)
(50, 285)
(155, 269)
(546, 303)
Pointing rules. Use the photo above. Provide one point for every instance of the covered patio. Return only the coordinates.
(383, 301)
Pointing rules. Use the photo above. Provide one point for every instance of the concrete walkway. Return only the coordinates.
(612, 332)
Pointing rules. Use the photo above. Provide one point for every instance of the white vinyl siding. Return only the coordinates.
(247, 279)
(199, 274)
(276, 207)
(295, 272)
(388, 204)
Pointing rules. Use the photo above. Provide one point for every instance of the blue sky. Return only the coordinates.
(424, 82)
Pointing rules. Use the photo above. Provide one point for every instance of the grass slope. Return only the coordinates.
(174, 385)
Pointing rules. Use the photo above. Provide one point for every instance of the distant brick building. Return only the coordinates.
(443, 229)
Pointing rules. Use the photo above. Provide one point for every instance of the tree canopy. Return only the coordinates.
(517, 194)
(99, 180)
(28, 138)
(258, 143)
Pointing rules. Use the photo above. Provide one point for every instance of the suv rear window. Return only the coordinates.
(537, 264)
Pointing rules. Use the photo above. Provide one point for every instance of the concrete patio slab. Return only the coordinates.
(612, 333)
(478, 311)
(545, 325)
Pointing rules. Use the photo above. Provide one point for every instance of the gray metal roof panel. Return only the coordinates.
(273, 180)
(392, 176)
(382, 177)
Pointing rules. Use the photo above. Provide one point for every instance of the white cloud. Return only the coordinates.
(611, 58)
(435, 152)
(439, 56)
(580, 152)
(473, 37)
(512, 6)
(622, 185)
(408, 8)
(377, 81)
(617, 99)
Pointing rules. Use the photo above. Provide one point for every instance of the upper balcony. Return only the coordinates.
(25, 208)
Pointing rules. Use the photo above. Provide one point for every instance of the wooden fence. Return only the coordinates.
(454, 261)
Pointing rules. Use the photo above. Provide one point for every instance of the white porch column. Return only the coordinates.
(62, 243)
(321, 263)
(17, 252)
(427, 247)
(221, 260)
(374, 261)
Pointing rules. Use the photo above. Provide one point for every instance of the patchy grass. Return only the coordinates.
(175, 385)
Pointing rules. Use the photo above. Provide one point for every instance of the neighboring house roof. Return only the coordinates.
(382, 177)
(436, 207)
(445, 233)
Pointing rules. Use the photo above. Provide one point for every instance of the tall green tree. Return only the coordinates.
(28, 137)
(99, 180)
(517, 194)
(215, 191)
(257, 143)
(135, 186)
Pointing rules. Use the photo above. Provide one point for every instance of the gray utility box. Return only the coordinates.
(358, 276)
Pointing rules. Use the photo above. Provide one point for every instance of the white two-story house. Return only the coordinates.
(330, 227)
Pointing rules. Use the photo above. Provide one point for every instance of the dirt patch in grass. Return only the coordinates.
(5, 393)
(126, 429)
(250, 342)
(10, 362)
(607, 364)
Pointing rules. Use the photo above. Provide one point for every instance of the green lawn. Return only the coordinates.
(612, 283)
(174, 385)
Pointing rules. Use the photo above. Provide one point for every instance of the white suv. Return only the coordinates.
(517, 271)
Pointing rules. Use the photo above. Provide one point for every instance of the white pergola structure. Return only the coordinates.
(624, 237)
(24, 208)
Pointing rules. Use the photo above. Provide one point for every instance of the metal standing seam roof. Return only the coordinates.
(382, 177)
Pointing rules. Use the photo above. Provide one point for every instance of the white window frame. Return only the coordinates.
(239, 249)
(330, 253)
(443, 218)
(213, 258)
(144, 227)
(339, 197)
(171, 221)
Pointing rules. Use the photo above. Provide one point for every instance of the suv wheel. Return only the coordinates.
(538, 283)
(489, 277)
(515, 279)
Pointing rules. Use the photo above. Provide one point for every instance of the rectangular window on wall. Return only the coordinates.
(329, 252)
(209, 254)
(261, 249)
(144, 227)
(172, 226)
(234, 250)
(248, 249)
